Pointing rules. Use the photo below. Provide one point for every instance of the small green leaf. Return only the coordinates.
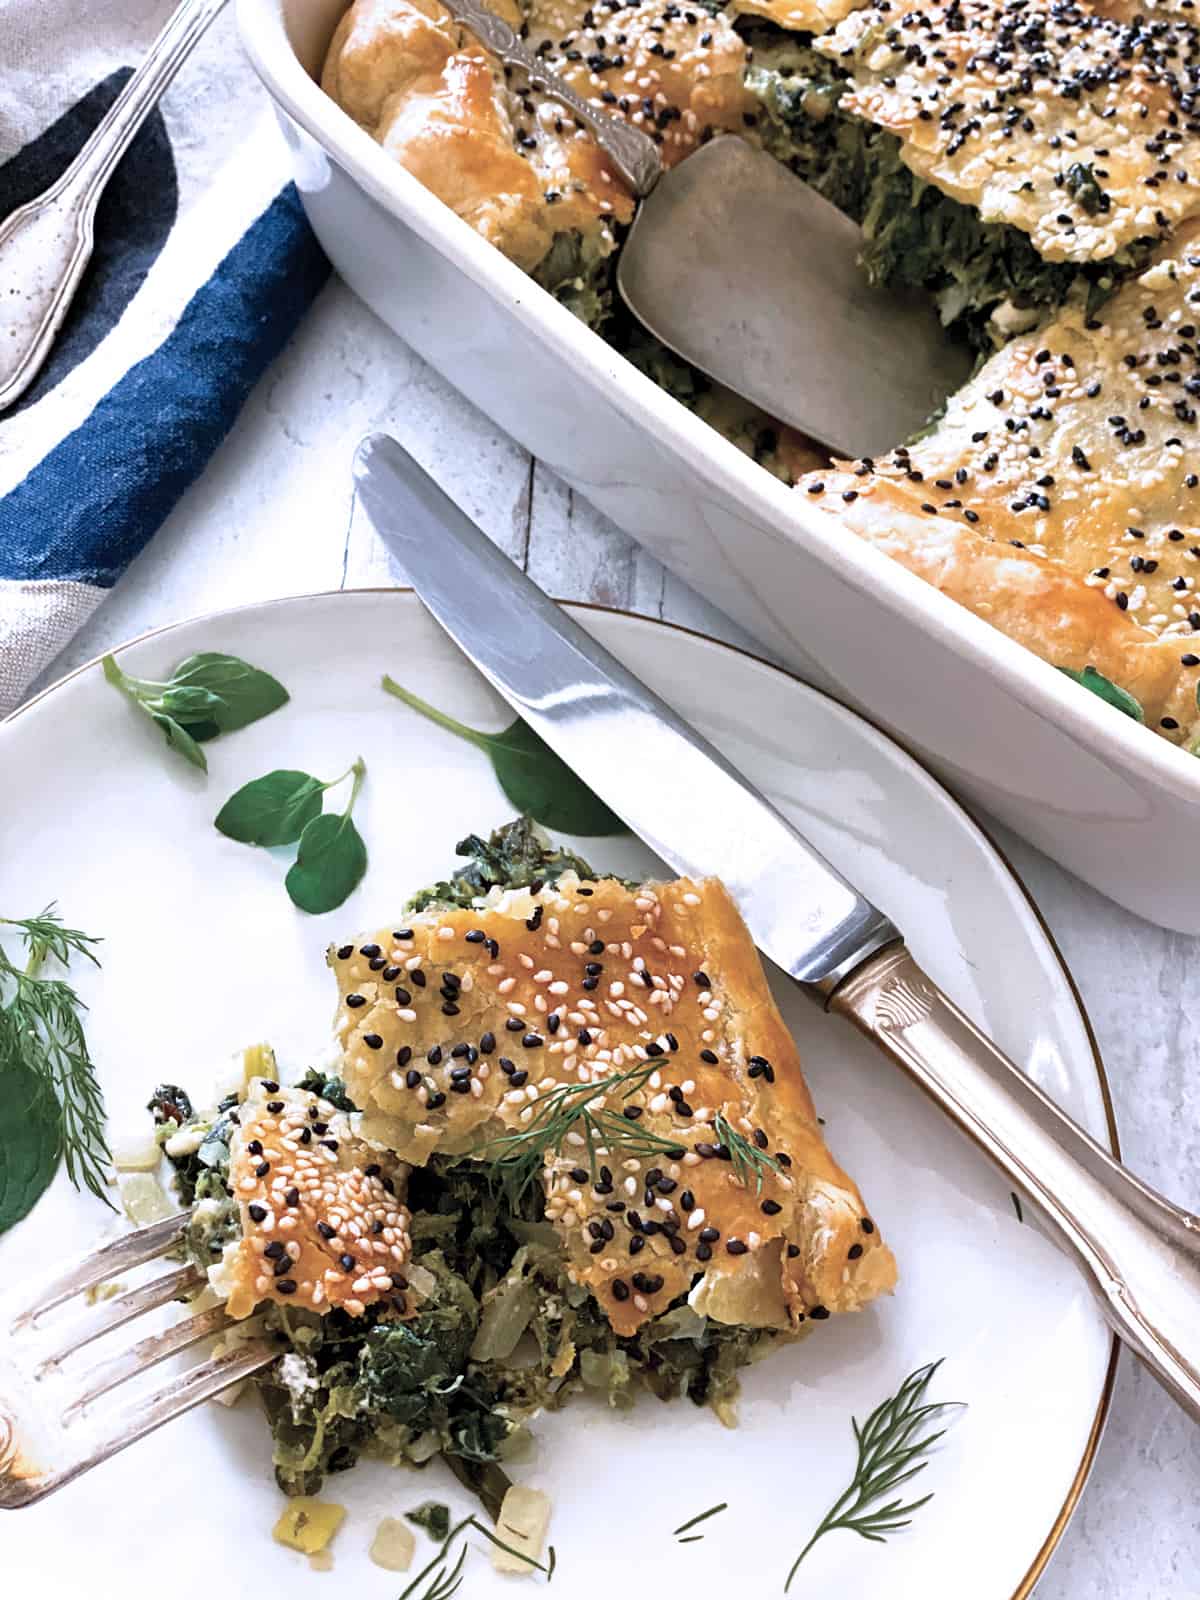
(187, 703)
(29, 1150)
(534, 779)
(206, 695)
(542, 786)
(1108, 691)
(244, 693)
(271, 810)
(180, 739)
(329, 865)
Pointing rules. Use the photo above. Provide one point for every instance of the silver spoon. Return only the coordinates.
(752, 276)
(46, 243)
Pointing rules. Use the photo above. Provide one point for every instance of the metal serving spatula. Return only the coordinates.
(749, 274)
(1140, 1253)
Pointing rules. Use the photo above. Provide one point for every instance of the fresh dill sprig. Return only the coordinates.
(890, 1445)
(444, 1579)
(749, 1162)
(41, 1033)
(703, 1516)
(576, 1108)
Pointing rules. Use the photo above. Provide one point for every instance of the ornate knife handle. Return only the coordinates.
(634, 155)
(1140, 1253)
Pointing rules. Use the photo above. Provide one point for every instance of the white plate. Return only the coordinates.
(203, 953)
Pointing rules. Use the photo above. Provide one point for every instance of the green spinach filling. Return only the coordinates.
(986, 278)
(501, 1332)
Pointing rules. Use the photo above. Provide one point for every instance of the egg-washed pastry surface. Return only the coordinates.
(1075, 454)
(509, 160)
(323, 1224)
(628, 1039)
(1076, 127)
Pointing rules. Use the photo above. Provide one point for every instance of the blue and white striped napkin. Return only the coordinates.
(203, 267)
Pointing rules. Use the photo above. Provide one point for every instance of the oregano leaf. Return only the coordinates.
(534, 779)
(271, 810)
(329, 866)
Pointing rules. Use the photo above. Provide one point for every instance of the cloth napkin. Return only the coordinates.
(203, 266)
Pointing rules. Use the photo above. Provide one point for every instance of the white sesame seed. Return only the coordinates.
(696, 1219)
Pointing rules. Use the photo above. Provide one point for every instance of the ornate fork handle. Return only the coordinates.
(632, 152)
(46, 244)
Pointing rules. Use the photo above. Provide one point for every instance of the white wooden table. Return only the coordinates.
(271, 517)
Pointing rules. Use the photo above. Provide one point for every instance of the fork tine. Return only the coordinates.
(130, 1250)
(106, 1375)
(103, 1319)
(176, 1397)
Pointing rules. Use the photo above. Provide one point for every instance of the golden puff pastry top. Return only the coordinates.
(1081, 440)
(1079, 128)
(462, 1028)
(509, 161)
(323, 1222)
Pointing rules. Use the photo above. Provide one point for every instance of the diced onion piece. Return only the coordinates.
(522, 1523)
(145, 1199)
(393, 1545)
(137, 1152)
(258, 1061)
(308, 1525)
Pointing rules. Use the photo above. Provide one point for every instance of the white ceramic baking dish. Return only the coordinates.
(1103, 796)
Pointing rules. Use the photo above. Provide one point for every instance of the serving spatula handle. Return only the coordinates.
(1140, 1252)
(633, 153)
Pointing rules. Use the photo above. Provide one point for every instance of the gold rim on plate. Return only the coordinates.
(1058, 1527)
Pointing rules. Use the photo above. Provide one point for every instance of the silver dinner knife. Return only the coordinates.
(1140, 1253)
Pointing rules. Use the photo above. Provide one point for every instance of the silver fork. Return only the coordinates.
(46, 243)
(55, 1425)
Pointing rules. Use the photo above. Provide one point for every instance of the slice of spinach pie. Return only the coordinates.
(568, 1147)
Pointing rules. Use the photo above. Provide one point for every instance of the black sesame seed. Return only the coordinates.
(325, 1230)
(533, 1041)
(867, 1225)
(254, 1147)
(620, 1289)
(855, 1251)
(435, 1100)
(346, 951)
(373, 1041)
(403, 997)
(258, 1213)
(368, 950)
(585, 1037)
(285, 1285)
(434, 1056)
(475, 936)
(487, 1043)
(412, 1078)
(404, 1055)
(274, 1250)
(703, 979)
(262, 1169)
(710, 1056)
(819, 1313)
(460, 1086)
(292, 1196)
(636, 1244)
(770, 1208)
(514, 1024)
(519, 1079)
(736, 1247)
(418, 977)
(356, 1000)
(390, 974)
(704, 1252)
(709, 1235)
(346, 1262)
